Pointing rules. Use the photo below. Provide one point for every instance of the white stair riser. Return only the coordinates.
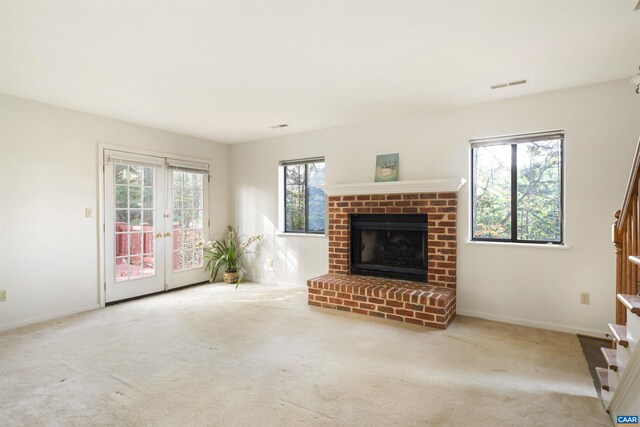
(606, 397)
(613, 379)
(623, 355)
(633, 329)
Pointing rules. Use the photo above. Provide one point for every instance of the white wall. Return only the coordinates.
(48, 176)
(536, 286)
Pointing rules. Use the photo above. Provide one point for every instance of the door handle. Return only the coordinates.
(159, 235)
(167, 234)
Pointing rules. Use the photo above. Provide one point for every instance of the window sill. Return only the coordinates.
(282, 234)
(519, 245)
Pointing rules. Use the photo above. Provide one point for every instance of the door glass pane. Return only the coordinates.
(178, 240)
(135, 243)
(122, 197)
(197, 235)
(122, 217)
(134, 227)
(197, 181)
(187, 260)
(148, 197)
(178, 264)
(148, 268)
(197, 199)
(122, 269)
(197, 257)
(177, 188)
(148, 242)
(122, 244)
(177, 219)
(187, 197)
(135, 266)
(135, 175)
(196, 218)
(135, 200)
(188, 214)
(122, 174)
(135, 218)
(187, 218)
(147, 218)
(148, 177)
(177, 198)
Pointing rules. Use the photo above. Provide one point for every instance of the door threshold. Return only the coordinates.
(155, 293)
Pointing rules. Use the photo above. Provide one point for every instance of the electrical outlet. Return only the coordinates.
(584, 298)
(3, 295)
(268, 265)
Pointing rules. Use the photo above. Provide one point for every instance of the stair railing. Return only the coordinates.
(626, 232)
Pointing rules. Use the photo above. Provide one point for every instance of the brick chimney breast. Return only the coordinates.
(441, 208)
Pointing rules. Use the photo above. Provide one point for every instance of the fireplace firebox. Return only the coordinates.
(389, 245)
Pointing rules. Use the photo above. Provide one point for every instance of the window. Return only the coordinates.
(517, 192)
(304, 206)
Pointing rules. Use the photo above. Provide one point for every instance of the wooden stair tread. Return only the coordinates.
(620, 334)
(611, 358)
(603, 377)
(632, 302)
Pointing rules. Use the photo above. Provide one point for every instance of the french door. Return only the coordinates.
(155, 215)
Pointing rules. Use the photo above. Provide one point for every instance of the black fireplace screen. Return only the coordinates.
(393, 246)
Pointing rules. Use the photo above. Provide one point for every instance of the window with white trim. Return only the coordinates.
(517, 192)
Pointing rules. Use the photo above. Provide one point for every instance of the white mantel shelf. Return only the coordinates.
(394, 187)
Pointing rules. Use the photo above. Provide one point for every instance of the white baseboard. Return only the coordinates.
(534, 323)
(494, 317)
(37, 319)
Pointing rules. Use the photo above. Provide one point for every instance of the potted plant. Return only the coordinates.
(229, 255)
(388, 167)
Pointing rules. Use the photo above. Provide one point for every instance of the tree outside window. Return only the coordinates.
(517, 189)
(304, 199)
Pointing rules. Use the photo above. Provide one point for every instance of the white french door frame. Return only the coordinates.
(102, 147)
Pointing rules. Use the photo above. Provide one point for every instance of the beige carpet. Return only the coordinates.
(258, 355)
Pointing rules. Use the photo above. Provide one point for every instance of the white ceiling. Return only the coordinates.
(227, 71)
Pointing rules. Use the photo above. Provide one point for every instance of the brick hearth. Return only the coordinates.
(400, 300)
(441, 209)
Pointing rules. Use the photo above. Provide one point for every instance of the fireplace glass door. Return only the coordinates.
(393, 246)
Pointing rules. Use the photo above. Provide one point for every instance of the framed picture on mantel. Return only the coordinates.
(387, 167)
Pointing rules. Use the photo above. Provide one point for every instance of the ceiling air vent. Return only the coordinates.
(513, 83)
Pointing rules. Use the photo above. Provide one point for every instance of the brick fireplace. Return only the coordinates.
(428, 299)
(441, 210)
